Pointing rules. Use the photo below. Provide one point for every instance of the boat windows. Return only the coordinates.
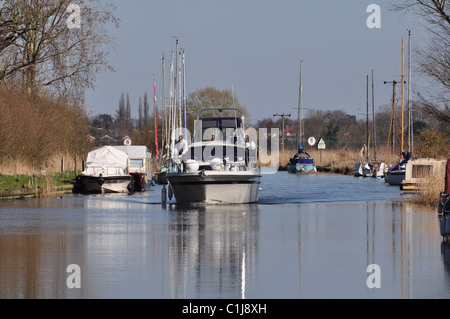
(205, 153)
(136, 162)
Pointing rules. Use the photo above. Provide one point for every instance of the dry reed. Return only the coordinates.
(428, 189)
(35, 132)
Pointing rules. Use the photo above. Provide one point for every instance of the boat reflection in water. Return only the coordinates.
(212, 249)
(134, 247)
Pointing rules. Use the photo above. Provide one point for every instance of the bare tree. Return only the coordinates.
(435, 56)
(39, 49)
(213, 98)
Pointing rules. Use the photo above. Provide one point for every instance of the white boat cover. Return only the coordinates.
(108, 161)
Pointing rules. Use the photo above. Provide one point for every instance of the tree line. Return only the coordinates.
(340, 131)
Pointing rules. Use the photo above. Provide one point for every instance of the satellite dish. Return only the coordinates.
(127, 142)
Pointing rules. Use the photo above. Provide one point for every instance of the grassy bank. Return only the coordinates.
(36, 185)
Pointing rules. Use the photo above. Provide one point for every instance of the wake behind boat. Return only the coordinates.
(219, 166)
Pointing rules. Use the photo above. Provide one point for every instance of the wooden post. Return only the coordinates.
(76, 166)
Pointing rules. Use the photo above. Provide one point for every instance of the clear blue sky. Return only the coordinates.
(255, 46)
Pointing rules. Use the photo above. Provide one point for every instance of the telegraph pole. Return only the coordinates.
(282, 127)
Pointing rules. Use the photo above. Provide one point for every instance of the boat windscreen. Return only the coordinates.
(221, 123)
(208, 129)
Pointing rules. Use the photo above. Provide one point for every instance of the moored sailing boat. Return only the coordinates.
(301, 162)
(396, 173)
(366, 167)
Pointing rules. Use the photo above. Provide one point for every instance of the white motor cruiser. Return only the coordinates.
(219, 166)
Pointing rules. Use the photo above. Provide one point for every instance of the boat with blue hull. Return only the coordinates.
(301, 162)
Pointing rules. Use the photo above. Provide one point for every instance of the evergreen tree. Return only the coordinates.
(121, 112)
(146, 109)
(141, 119)
(128, 113)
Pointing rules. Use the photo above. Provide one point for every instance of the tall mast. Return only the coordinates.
(410, 126)
(172, 107)
(391, 126)
(176, 81)
(403, 95)
(184, 94)
(373, 122)
(156, 120)
(367, 116)
(164, 138)
(299, 116)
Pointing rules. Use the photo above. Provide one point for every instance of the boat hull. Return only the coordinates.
(87, 184)
(362, 169)
(394, 177)
(215, 187)
(301, 168)
(141, 182)
(378, 169)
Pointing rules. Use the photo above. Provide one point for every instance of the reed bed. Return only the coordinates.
(428, 189)
(336, 160)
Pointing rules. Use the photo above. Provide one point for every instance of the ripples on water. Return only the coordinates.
(310, 236)
(285, 188)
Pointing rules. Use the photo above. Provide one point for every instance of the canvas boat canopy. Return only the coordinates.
(108, 161)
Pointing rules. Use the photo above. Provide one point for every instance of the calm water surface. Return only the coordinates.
(310, 236)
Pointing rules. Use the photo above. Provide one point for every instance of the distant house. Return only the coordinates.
(290, 130)
(106, 138)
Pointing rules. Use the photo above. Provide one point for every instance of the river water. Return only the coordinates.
(310, 236)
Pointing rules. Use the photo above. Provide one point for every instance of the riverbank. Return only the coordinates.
(61, 183)
(36, 186)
